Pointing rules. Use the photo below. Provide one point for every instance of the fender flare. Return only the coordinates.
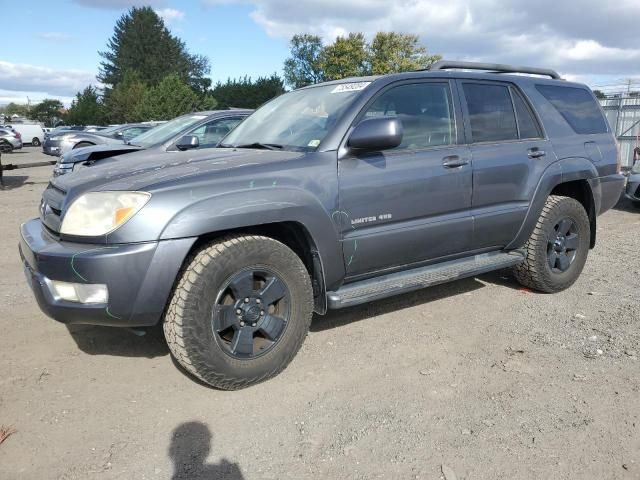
(237, 210)
(561, 171)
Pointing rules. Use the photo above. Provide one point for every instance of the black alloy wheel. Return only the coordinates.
(562, 245)
(251, 313)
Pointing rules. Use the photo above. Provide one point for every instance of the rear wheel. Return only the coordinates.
(35, 141)
(557, 249)
(240, 311)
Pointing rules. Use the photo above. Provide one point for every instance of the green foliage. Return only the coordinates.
(346, 57)
(599, 94)
(86, 108)
(47, 111)
(124, 100)
(142, 42)
(16, 109)
(303, 67)
(392, 52)
(170, 98)
(389, 52)
(244, 93)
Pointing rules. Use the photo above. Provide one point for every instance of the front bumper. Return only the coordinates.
(632, 192)
(139, 276)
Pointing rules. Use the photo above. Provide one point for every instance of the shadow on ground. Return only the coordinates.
(338, 318)
(118, 342)
(97, 340)
(626, 205)
(11, 182)
(189, 449)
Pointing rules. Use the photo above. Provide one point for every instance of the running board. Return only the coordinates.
(401, 282)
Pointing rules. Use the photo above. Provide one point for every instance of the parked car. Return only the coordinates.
(326, 197)
(205, 130)
(31, 133)
(9, 140)
(65, 141)
(632, 191)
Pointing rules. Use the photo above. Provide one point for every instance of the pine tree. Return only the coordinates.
(141, 42)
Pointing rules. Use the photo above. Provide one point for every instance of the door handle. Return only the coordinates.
(454, 161)
(536, 153)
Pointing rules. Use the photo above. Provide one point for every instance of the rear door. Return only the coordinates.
(509, 153)
(410, 204)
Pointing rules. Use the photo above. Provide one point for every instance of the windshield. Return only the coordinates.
(166, 131)
(297, 120)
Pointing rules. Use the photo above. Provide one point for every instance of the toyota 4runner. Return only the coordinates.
(327, 197)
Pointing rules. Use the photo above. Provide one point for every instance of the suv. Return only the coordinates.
(326, 197)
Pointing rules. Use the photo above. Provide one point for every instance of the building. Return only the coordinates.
(623, 114)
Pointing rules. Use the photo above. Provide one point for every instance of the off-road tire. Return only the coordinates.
(535, 272)
(188, 319)
(35, 142)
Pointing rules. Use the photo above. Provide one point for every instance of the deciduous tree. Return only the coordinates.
(303, 66)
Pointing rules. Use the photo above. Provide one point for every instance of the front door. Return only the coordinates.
(410, 204)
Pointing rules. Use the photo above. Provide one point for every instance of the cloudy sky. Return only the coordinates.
(54, 53)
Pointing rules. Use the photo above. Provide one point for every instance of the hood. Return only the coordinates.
(93, 137)
(149, 170)
(98, 152)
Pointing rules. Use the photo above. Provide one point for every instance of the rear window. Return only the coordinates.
(577, 107)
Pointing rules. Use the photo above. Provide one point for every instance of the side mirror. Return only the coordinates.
(378, 133)
(188, 142)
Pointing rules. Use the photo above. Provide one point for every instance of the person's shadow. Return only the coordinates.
(190, 447)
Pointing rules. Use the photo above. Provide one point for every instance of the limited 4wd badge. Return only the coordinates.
(374, 218)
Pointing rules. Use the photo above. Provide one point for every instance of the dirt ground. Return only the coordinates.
(478, 379)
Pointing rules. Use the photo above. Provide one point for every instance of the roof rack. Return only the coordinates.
(494, 68)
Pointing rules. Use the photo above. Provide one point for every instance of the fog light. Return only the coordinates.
(79, 292)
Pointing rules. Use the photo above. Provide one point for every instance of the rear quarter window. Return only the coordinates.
(577, 106)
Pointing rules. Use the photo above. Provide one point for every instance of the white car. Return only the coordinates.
(31, 133)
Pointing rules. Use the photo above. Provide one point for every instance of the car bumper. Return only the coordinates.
(139, 277)
(51, 148)
(610, 188)
(632, 190)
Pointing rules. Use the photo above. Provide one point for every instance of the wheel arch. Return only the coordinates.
(294, 235)
(569, 177)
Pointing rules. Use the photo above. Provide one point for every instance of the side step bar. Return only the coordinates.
(401, 282)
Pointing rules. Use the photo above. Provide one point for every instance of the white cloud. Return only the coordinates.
(170, 15)
(55, 36)
(582, 37)
(30, 79)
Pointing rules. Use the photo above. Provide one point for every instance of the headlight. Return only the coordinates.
(99, 213)
(57, 138)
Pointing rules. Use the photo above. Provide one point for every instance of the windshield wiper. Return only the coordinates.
(263, 146)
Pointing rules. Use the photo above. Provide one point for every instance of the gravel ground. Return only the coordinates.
(478, 379)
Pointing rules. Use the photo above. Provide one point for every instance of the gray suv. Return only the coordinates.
(327, 197)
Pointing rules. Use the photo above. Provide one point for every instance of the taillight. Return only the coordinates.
(17, 134)
(618, 158)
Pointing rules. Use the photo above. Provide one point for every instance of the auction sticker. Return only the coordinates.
(350, 87)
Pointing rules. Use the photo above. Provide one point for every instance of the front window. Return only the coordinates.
(297, 120)
(166, 131)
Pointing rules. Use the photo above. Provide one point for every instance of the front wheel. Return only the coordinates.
(557, 250)
(35, 141)
(240, 311)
